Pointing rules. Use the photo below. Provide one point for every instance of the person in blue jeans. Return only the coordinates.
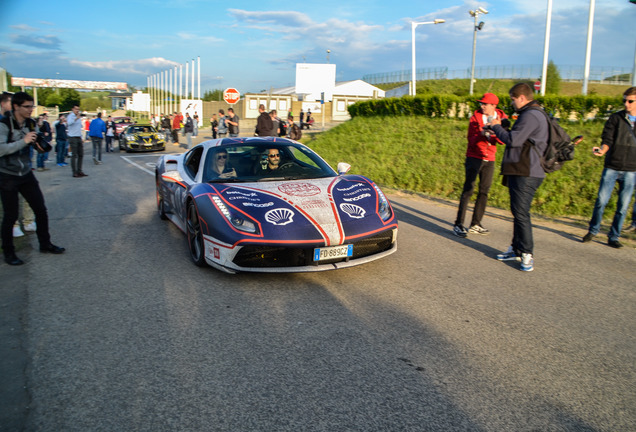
(618, 145)
(522, 169)
(61, 140)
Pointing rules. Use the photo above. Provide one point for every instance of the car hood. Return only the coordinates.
(328, 211)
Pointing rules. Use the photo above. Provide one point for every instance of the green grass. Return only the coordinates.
(425, 155)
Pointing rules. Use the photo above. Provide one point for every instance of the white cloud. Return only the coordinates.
(137, 67)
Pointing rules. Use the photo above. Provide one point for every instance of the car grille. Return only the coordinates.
(272, 256)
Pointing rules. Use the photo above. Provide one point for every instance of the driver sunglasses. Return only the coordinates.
(277, 155)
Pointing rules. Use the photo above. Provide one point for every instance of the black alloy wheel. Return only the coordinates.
(195, 236)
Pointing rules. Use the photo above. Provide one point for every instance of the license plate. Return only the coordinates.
(333, 252)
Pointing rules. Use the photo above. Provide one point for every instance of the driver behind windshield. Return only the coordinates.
(273, 159)
(219, 167)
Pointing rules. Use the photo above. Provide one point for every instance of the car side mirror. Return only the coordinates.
(343, 168)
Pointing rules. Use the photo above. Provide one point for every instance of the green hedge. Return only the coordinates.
(451, 106)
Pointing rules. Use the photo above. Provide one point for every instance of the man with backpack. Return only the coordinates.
(521, 166)
(618, 145)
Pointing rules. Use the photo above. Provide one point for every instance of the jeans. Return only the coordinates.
(109, 143)
(41, 158)
(189, 140)
(97, 148)
(175, 136)
(485, 170)
(28, 187)
(609, 178)
(77, 148)
(522, 190)
(60, 148)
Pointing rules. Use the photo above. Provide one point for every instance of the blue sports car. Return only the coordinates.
(267, 204)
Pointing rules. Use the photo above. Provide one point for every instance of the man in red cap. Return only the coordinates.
(480, 161)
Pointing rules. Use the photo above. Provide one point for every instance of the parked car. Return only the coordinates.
(239, 214)
(141, 137)
(121, 123)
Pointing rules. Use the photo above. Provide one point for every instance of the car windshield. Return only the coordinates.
(263, 162)
(123, 120)
(140, 129)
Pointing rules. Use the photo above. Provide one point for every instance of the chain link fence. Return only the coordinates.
(603, 75)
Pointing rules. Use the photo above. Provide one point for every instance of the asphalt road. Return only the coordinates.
(123, 332)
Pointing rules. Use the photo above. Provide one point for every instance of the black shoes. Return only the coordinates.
(52, 249)
(588, 237)
(615, 244)
(13, 260)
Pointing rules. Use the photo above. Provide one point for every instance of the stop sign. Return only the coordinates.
(537, 85)
(231, 95)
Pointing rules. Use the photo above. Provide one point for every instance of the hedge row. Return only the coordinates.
(451, 106)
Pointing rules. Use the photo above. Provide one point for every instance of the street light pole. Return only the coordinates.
(475, 13)
(414, 24)
(588, 50)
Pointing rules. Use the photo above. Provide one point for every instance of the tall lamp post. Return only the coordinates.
(413, 26)
(475, 13)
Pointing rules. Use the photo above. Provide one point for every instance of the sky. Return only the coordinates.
(255, 45)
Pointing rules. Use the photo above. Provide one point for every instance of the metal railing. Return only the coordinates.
(605, 75)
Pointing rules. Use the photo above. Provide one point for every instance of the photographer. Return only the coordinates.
(17, 134)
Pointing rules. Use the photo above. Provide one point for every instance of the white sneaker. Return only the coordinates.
(527, 262)
(17, 232)
(508, 255)
(30, 227)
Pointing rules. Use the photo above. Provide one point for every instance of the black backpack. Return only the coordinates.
(560, 148)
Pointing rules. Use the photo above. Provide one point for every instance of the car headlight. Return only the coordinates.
(237, 220)
(161, 136)
(130, 137)
(384, 209)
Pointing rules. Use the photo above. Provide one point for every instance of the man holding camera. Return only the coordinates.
(17, 133)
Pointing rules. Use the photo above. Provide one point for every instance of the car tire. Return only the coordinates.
(195, 236)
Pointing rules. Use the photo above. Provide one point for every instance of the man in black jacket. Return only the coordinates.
(522, 169)
(618, 145)
(264, 123)
(17, 133)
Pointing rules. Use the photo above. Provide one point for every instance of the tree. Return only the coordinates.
(69, 97)
(213, 95)
(553, 83)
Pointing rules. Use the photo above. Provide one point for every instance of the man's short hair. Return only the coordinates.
(221, 112)
(261, 107)
(230, 110)
(5, 97)
(522, 89)
(99, 115)
(630, 91)
(20, 97)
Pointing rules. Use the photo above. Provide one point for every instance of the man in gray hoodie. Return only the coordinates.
(17, 133)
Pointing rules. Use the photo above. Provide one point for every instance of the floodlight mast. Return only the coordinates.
(475, 13)
(414, 24)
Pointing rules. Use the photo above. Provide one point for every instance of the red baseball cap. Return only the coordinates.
(489, 98)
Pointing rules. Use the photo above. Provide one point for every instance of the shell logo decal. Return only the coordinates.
(353, 210)
(279, 216)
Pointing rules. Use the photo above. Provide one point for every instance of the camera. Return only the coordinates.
(40, 144)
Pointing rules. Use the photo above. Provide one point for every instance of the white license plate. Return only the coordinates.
(333, 252)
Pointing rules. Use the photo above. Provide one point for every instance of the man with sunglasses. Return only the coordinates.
(17, 134)
(618, 145)
(273, 159)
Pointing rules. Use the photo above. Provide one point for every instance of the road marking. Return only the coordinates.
(141, 167)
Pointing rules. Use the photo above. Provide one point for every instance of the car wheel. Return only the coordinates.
(161, 206)
(195, 236)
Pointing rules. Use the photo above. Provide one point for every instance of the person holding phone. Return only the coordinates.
(618, 145)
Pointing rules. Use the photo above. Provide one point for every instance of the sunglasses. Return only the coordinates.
(629, 100)
(221, 157)
(277, 155)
